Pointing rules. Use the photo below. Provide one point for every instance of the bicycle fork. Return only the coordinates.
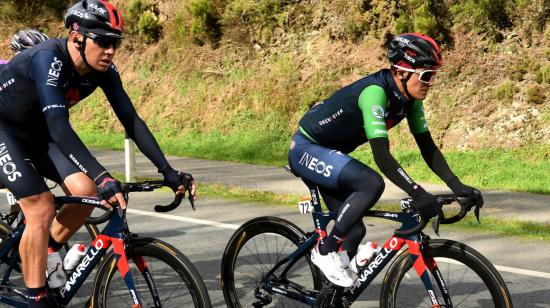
(422, 264)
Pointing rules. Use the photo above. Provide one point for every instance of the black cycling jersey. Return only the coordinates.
(369, 106)
(40, 84)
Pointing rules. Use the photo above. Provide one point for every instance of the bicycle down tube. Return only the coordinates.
(111, 235)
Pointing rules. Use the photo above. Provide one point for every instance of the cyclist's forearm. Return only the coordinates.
(72, 147)
(389, 166)
(433, 157)
(147, 143)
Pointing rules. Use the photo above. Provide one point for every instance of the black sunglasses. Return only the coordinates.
(105, 41)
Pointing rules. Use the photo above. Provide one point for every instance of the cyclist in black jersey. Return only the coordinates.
(364, 111)
(37, 89)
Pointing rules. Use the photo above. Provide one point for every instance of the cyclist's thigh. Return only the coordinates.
(53, 164)
(16, 171)
(316, 163)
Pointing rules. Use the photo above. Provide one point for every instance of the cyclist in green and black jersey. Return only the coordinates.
(364, 111)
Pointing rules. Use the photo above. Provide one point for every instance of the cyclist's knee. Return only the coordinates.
(79, 184)
(38, 209)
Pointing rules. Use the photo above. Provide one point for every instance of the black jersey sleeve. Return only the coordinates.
(46, 69)
(135, 127)
(433, 156)
(389, 166)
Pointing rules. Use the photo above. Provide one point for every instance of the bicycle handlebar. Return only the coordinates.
(147, 186)
(442, 199)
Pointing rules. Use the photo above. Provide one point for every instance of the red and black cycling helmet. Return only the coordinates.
(415, 50)
(95, 16)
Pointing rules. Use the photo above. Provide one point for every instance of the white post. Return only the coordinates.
(130, 159)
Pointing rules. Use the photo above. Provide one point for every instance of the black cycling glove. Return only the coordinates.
(425, 203)
(107, 186)
(174, 179)
(461, 190)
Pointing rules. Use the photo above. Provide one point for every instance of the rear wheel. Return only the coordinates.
(252, 252)
(471, 280)
(177, 282)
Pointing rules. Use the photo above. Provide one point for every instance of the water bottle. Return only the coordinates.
(73, 257)
(54, 270)
(365, 253)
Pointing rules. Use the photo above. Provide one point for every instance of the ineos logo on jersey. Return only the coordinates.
(9, 168)
(53, 73)
(315, 164)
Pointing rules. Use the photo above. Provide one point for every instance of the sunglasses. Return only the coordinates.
(105, 41)
(426, 76)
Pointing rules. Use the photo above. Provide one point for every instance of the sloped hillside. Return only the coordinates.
(241, 72)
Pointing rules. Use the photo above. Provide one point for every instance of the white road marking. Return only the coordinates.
(234, 227)
(185, 219)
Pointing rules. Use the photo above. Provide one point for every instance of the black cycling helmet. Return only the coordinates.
(414, 50)
(95, 16)
(27, 38)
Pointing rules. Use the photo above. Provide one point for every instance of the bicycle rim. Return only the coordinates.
(252, 253)
(470, 279)
(177, 282)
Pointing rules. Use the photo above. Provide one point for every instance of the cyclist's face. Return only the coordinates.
(98, 57)
(417, 88)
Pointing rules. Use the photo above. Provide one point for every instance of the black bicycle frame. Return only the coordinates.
(392, 246)
(113, 233)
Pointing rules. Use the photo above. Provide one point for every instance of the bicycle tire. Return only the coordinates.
(476, 285)
(171, 271)
(232, 257)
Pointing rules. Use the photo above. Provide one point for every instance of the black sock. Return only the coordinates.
(332, 242)
(37, 297)
(56, 246)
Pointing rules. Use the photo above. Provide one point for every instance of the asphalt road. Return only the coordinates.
(202, 236)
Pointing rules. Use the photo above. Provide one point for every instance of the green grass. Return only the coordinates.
(522, 169)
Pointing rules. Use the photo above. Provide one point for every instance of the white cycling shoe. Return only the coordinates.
(334, 266)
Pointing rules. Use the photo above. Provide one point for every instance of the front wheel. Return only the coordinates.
(252, 252)
(177, 282)
(471, 279)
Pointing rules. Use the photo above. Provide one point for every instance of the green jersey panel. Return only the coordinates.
(417, 119)
(373, 104)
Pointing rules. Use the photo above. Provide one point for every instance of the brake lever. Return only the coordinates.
(476, 213)
(190, 197)
(435, 225)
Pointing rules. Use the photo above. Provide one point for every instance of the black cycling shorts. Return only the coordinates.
(25, 159)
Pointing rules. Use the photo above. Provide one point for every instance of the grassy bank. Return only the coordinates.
(524, 169)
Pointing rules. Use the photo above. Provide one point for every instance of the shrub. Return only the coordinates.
(482, 16)
(429, 17)
(205, 24)
(505, 91)
(149, 27)
(535, 94)
(542, 75)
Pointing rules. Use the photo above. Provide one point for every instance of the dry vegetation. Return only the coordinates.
(251, 68)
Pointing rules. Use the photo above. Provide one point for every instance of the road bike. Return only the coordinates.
(266, 263)
(152, 273)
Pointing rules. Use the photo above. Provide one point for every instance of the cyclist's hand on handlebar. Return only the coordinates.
(472, 194)
(109, 191)
(180, 182)
(425, 203)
